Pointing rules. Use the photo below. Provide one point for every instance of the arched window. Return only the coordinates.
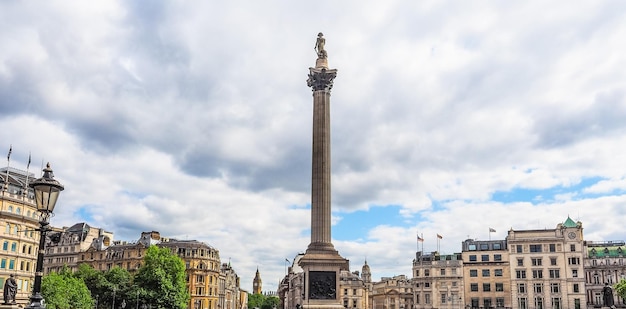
(10, 209)
(28, 213)
(24, 249)
(8, 229)
(30, 249)
(14, 246)
(5, 246)
(15, 229)
(18, 211)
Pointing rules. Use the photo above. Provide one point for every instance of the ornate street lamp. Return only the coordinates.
(46, 194)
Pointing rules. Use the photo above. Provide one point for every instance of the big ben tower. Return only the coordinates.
(257, 285)
(321, 263)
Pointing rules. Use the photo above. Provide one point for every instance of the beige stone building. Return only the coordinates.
(19, 220)
(438, 281)
(547, 267)
(64, 245)
(392, 293)
(486, 274)
(603, 263)
(210, 285)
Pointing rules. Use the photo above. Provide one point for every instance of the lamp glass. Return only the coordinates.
(46, 197)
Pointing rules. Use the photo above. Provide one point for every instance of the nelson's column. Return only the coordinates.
(321, 263)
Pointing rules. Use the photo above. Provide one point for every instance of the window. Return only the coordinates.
(576, 303)
(535, 261)
(475, 303)
(484, 258)
(471, 247)
(521, 302)
(539, 302)
(555, 288)
(573, 261)
(485, 272)
(552, 261)
(427, 272)
(497, 272)
(426, 284)
(497, 257)
(443, 298)
(5, 246)
(486, 287)
(520, 274)
(497, 247)
(487, 302)
(443, 271)
(427, 298)
(576, 288)
(3, 263)
(572, 247)
(417, 273)
(555, 274)
(520, 262)
(13, 247)
(556, 303)
(473, 273)
(575, 273)
(552, 248)
(472, 258)
(538, 288)
(519, 248)
(537, 273)
(11, 264)
(521, 288)
(499, 287)
(500, 302)
(474, 287)
(484, 247)
(535, 248)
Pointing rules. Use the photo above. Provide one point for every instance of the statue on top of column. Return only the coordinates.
(319, 46)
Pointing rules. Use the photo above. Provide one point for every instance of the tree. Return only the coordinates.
(271, 302)
(255, 300)
(64, 291)
(162, 279)
(620, 288)
(107, 287)
(263, 302)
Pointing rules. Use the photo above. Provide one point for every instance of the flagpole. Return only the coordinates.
(6, 180)
(27, 169)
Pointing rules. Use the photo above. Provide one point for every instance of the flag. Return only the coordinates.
(420, 238)
(28, 165)
(439, 236)
(491, 230)
(287, 260)
(10, 150)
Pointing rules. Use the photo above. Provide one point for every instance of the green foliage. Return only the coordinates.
(255, 300)
(64, 291)
(114, 285)
(271, 302)
(162, 278)
(263, 302)
(620, 288)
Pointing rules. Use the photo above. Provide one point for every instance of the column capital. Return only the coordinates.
(321, 78)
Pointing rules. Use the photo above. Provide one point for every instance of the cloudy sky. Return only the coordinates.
(194, 119)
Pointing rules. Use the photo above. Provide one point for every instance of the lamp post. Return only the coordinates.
(46, 194)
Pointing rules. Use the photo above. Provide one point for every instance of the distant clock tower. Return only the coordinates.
(257, 285)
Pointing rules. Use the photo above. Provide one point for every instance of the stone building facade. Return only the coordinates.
(546, 267)
(604, 262)
(438, 281)
(486, 274)
(19, 220)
